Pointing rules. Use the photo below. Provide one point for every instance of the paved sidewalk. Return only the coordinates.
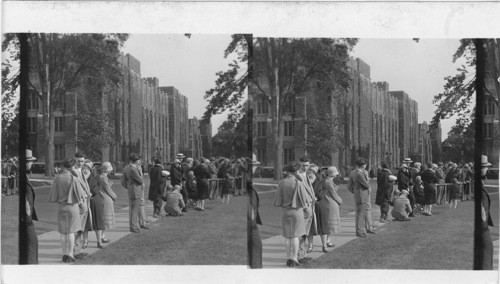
(273, 248)
(49, 244)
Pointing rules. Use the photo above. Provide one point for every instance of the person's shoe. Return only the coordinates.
(81, 255)
(371, 232)
(330, 245)
(155, 216)
(145, 227)
(305, 260)
(295, 263)
(135, 230)
(85, 244)
(309, 249)
(411, 215)
(70, 259)
(361, 235)
(325, 250)
(105, 240)
(289, 262)
(65, 258)
(383, 221)
(99, 245)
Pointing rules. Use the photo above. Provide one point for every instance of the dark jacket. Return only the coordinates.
(384, 187)
(403, 180)
(30, 197)
(176, 173)
(155, 178)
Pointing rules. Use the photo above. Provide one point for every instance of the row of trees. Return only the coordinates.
(59, 64)
(457, 99)
(283, 69)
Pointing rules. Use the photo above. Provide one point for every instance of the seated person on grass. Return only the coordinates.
(401, 207)
(174, 202)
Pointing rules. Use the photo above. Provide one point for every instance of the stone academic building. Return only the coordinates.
(146, 118)
(376, 123)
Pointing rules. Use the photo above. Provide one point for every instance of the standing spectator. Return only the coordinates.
(304, 165)
(404, 182)
(133, 181)
(15, 172)
(483, 254)
(5, 177)
(27, 233)
(68, 192)
(10, 173)
(311, 175)
(429, 179)
(202, 175)
(155, 175)
(329, 215)
(452, 173)
(106, 197)
(224, 172)
(467, 181)
(81, 239)
(212, 169)
(358, 185)
(401, 207)
(291, 196)
(454, 190)
(176, 175)
(384, 191)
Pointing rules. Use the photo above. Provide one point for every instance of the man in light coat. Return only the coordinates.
(133, 181)
(81, 238)
(358, 185)
(309, 220)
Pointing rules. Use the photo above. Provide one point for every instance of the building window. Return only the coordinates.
(288, 155)
(489, 106)
(59, 124)
(33, 102)
(262, 106)
(289, 128)
(261, 155)
(32, 124)
(59, 152)
(290, 105)
(261, 129)
(488, 130)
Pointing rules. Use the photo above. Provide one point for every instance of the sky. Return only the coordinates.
(416, 68)
(189, 64)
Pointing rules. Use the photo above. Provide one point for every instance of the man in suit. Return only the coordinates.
(309, 220)
(28, 238)
(358, 185)
(154, 187)
(81, 238)
(133, 181)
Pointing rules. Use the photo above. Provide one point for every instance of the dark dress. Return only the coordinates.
(202, 175)
(27, 234)
(384, 190)
(96, 205)
(224, 172)
(419, 193)
(192, 189)
(429, 179)
(154, 185)
(454, 190)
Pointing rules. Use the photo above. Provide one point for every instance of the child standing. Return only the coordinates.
(454, 189)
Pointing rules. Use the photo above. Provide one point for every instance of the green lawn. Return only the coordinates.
(443, 241)
(10, 229)
(213, 237)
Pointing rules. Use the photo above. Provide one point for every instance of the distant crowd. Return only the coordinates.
(310, 201)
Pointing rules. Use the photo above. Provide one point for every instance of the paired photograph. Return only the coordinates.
(344, 153)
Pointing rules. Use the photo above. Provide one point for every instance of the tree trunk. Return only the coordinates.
(49, 126)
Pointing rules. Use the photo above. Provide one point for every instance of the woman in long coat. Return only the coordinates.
(291, 196)
(329, 215)
(69, 194)
(106, 196)
(202, 175)
(384, 191)
(154, 188)
(430, 180)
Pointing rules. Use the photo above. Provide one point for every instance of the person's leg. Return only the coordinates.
(295, 249)
(302, 249)
(310, 241)
(98, 234)
(133, 213)
(202, 204)
(85, 237)
(64, 243)
(368, 217)
(288, 248)
(142, 213)
(71, 244)
(430, 209)
(359, 220)
(324, 242)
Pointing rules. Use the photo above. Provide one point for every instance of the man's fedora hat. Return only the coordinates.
(29, 156)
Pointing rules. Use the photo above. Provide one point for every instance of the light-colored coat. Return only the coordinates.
(358, 184)
(133, 181)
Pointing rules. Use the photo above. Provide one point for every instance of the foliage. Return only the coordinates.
(324, 138)
(231, 138)
(96, 133)
(59, 64)
(458, 147)
(459, 89)
(232, 83)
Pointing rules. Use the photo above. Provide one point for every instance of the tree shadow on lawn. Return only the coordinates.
(443, 241)
(213, 237)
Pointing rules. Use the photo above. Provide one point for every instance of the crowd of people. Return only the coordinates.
(10, 176)
(85, 198)
(310, 201)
